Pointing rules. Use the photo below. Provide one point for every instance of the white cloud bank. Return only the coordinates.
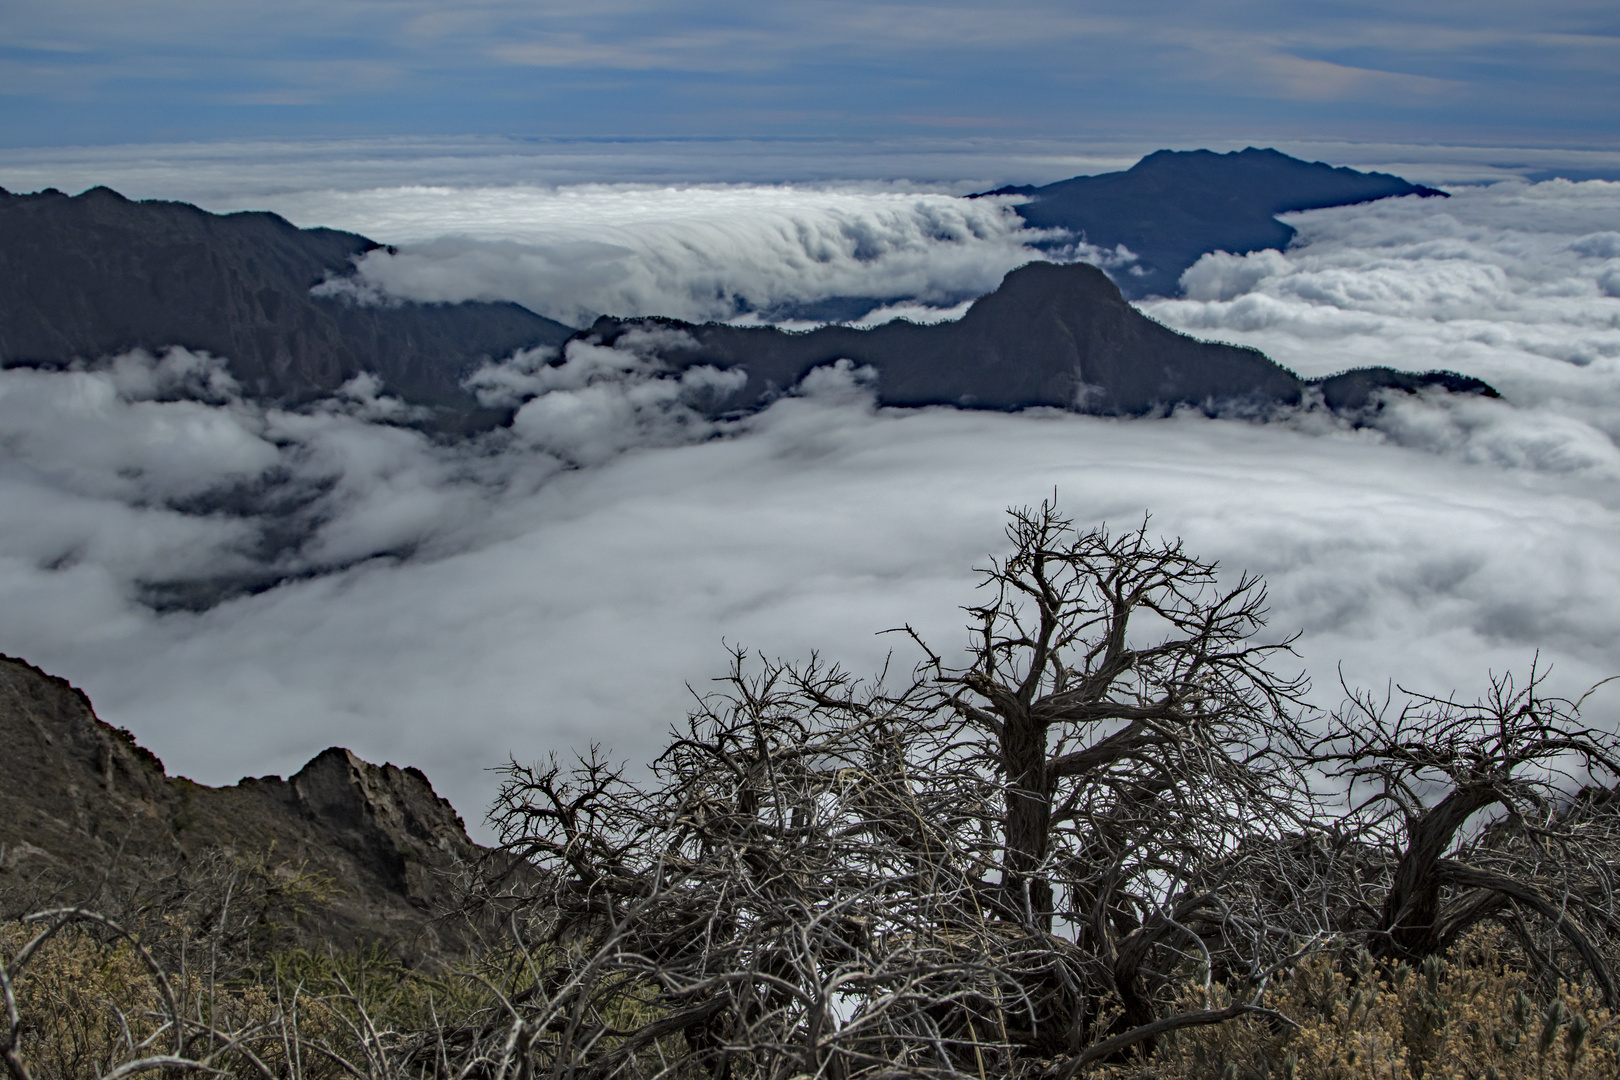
(560, 582)
(310, 180)
(1517, 284)
(695, 252)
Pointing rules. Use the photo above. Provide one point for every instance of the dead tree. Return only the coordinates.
(1146, 749)
(1483, 811)
(988, 867)
(790, 897)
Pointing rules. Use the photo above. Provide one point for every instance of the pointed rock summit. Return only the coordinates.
(86, 813)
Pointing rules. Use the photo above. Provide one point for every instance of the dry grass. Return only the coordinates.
(1475, 1014)
(91, 1000)
(91, 1005)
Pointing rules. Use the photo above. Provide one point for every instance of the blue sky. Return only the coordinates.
(85, 72)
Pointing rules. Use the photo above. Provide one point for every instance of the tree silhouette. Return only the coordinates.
(1110, 818)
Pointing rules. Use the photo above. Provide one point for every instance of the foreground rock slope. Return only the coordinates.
(89, 816)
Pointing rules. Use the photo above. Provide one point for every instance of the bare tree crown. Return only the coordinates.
(1017, 863)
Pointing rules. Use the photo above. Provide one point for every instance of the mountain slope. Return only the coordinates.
(96, 274)
(1174, 206)
(1050, 335)
(86, 813)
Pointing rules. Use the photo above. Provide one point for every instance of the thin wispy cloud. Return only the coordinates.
(718, 50)
(719, 68)
(1309, 79)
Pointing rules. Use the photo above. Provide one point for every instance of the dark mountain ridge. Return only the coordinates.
(97, 274)
(87, 815)
(1051, 335)
(1174, 206)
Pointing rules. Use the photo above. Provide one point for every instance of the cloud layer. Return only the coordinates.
(695, 252)
(356, 183)
(444, 604)
(1517, 284)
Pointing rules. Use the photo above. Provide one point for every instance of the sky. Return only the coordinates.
(1032, 74)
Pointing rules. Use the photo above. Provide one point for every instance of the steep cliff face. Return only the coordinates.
(88, 812)
(96, 274)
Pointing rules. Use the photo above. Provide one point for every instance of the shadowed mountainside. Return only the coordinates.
(1052, 335)
(96, 274)
(1174, 206)
(86, 813)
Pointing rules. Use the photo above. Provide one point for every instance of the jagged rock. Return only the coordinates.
(96, 274)
(1052, 335)
(88, 811)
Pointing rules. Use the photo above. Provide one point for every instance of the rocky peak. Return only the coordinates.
(1174, 206)
(1050, 335)
(348, 792)
(86, 812)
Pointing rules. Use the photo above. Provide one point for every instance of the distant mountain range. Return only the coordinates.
(1174, 206)
(96, 274)
(1053, 335)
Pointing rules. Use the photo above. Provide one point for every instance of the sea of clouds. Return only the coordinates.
(243, 585)
(1517, 284)
(282, 175)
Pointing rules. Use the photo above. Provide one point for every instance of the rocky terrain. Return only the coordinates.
(88, 816)
(1174, 206)
(1055, 335)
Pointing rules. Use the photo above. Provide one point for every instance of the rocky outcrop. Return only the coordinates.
(1174, 206)
(97, 274)
(1050, 335)
(87, 815)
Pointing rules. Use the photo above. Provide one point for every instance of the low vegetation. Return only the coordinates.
(1114, 842)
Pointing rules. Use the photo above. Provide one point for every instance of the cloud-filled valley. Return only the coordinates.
(443, 603)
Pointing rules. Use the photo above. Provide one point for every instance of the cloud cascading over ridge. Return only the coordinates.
(560, 582)
(695, 253)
